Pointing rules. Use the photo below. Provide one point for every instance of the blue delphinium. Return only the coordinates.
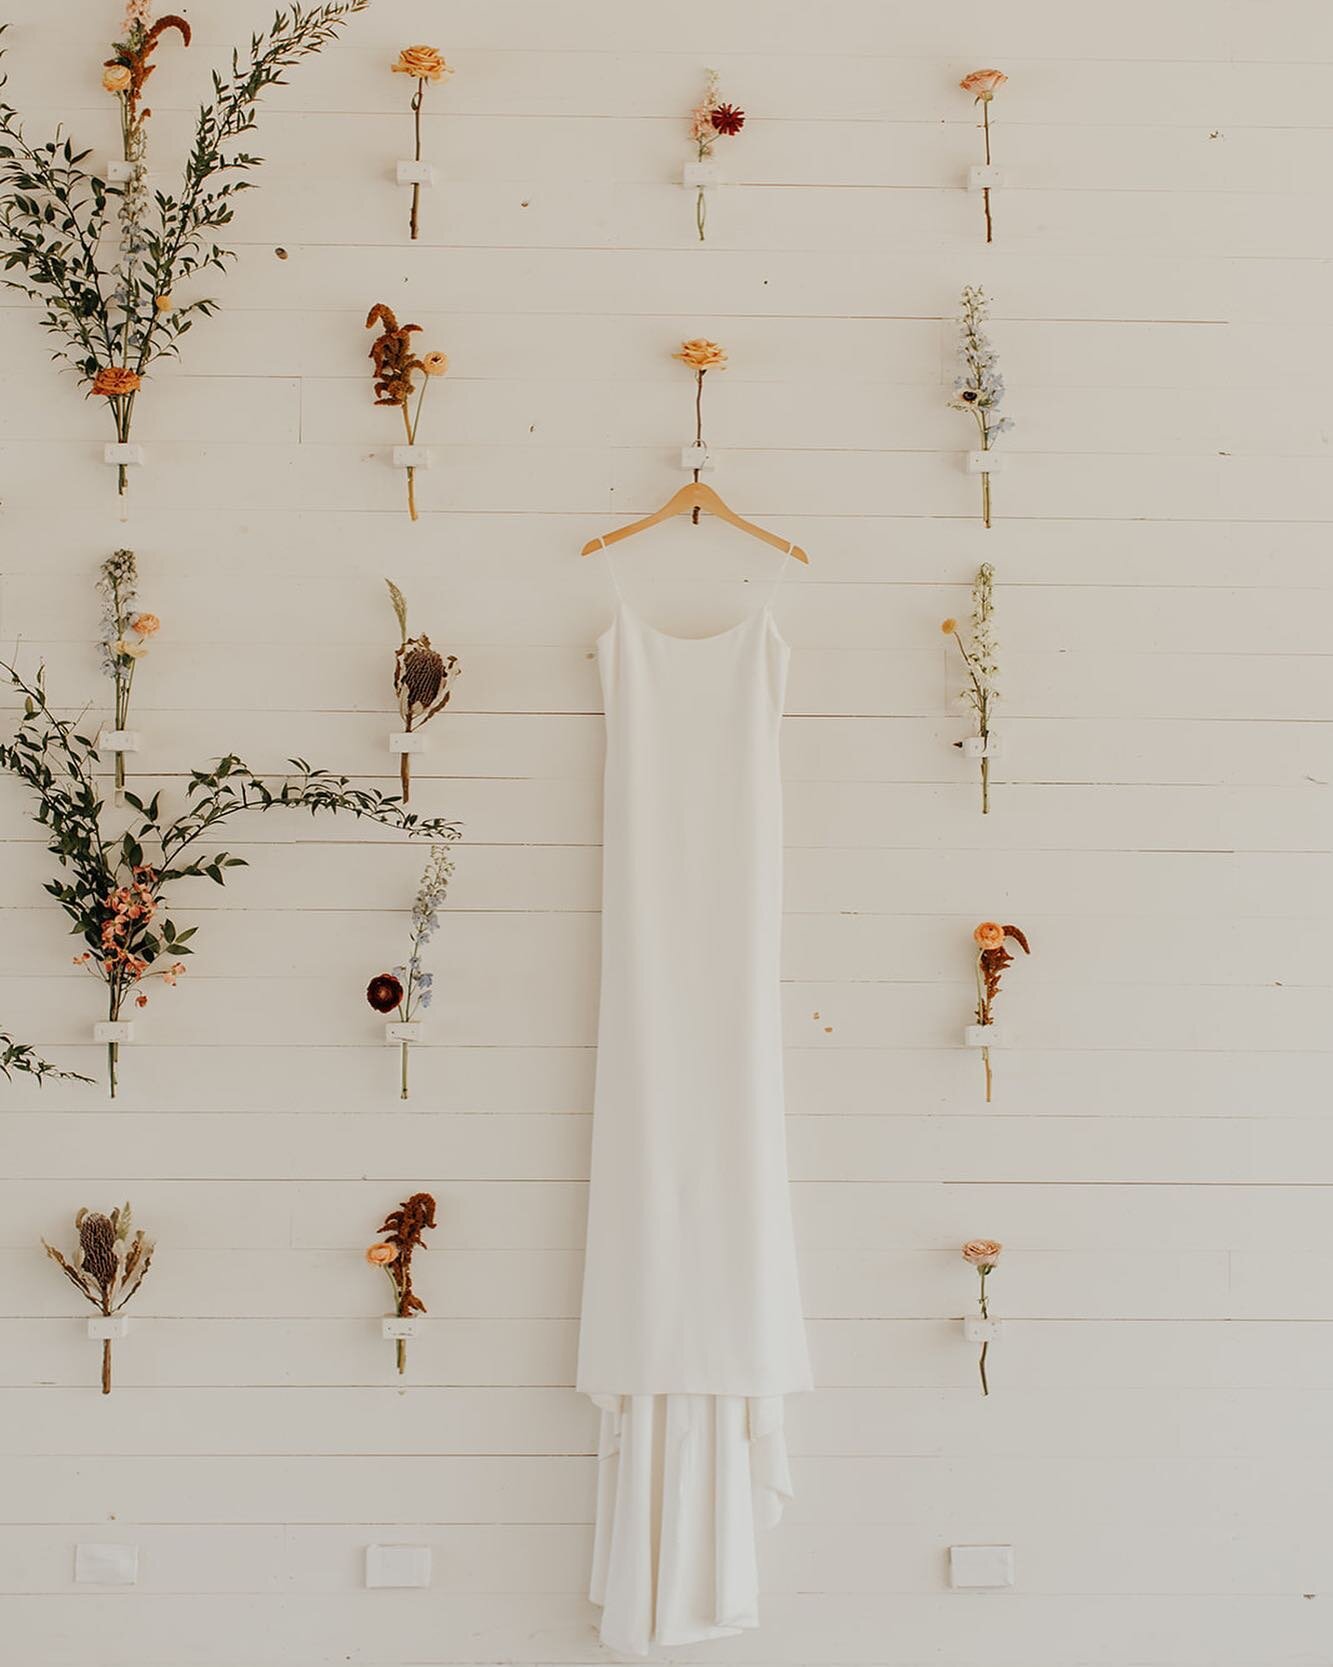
(418, 985)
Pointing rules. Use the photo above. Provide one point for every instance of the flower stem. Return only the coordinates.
(985, 194)
(411, 472)
(403, 1094)
(985, 781)
(985, 1065)
(106, 1365)
(985, 1386)
(701, 212)
(400, 1355)
(416, 184)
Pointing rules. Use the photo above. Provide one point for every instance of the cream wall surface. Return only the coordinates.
(1159, 1155)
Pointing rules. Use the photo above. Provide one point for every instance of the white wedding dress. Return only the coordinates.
(692, 1331)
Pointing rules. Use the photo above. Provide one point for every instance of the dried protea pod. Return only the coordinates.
(422, 680)
(97, 1249)
(105, 1269)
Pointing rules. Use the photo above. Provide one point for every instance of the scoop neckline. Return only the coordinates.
(765, 612)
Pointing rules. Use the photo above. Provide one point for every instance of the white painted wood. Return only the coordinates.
(1157, 1157)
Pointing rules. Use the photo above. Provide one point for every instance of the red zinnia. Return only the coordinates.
(384, 992)
(728, 120)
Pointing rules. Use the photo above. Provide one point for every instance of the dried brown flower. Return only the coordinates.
(135, 58)
(405, 1228)
(384, 992)
(392, 354)
(727, 119)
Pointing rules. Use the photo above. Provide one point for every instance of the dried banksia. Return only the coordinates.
(107, 1268)
(422, 680)
(97, 1248)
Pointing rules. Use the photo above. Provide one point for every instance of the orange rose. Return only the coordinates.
(164, 303)
(114, 380)
(989, 935)
(982, 1253)
(435, 364)
(700, 354)
(983, 82)
(146, 625)
(116, 78)
(422, 63)
(382, 1254)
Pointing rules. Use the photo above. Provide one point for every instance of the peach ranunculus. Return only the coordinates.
(116, 78)
(128, 650)
(983, 83)
(382, 1254)
(982, 1253)
(423, 63)
(701, 354)
(164, 304)
(989, 935)
(112, 381)
(948, 626)
(146, 625)
(435, 364)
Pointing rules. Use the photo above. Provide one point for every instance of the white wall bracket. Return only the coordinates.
(414, 173)
(985, 462)
(413, 457)
(114, 1030)
(403, 1030)
(398, 1565)
(122, 453)
(106, 1565)
(103, 1328)
(697, 456)
(703, 176)
(978, 1330)
(983, 1036)
(984, 177)
(397, 1328)
(415, 742)
(121, 740)
(981, 1567)
(981, 746)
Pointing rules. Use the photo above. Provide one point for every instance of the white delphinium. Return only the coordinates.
(979, 386)
(980, 659)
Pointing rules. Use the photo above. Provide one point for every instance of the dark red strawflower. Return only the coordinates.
(384, 992)
(728, 120)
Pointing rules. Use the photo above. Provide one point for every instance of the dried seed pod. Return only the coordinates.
(97, 1239)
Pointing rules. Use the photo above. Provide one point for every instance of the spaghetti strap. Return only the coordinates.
(782, 573)
(610, 569)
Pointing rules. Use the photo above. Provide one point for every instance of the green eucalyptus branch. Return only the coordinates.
(114, 891)
(58, 219)
(22, 1058)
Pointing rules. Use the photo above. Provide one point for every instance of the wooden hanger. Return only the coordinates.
(695, 496)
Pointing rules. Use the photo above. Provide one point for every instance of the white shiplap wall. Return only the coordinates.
(1159, 1155)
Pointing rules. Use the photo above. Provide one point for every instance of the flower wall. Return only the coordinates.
(1156, 1155)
